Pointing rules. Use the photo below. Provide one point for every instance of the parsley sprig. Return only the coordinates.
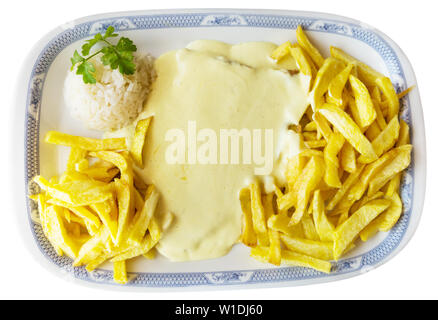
(119, 56)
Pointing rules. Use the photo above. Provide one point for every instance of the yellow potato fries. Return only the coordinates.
(344, 184)
(384, 83)
(334, 146)
(293, 259)
(323, 226)
(89, 144)
(120, 275)
(248, 236)
(365, 73)
(346, 232)
(93, 216)
(281, 51)
(138, 141)
(325, 75)
(367, 113)
(258, 214)
(387, 138)
(311, 50)
(337, 85)
(316, 249)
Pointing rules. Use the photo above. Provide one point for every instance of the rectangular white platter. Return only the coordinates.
(160, 31)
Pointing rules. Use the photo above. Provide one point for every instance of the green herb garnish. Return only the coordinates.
(117, 56)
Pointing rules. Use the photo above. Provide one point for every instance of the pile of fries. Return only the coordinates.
(345, 182)
(99, 209)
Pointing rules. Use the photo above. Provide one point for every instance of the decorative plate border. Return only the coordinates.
(342, 268)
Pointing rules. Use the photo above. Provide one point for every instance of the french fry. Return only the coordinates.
(337, 85)
(76, 155)
(348, 158)
(125, 209)
(309, 228)
(376, 95)
(360, 203)
(280, 223)
(248, 235)
(387, 138)
(46, 224)
(81, 211)
(309, 136)
(308, 153)
(364, 103)
(104, 210)
(58, 233)
(357, 191)
(120, 274)
(384, 83)
(369, 231)
(404, 134)
(310, 49)
(315, 249)
(404, 93)
(349, 129)
(385, 221)
(274, 247)
(77, 193)
(293, 170)
(82, 165)
(348, 230)
(315, 144)
(310, 178)
(373, 131)
(323, 226)
(89, 144)
(311, 126)
(300, 260)
(147, 244)
(100, 173)
(365, 73)
(143, 218)
(293, 259)
(121, 162)
(151, 254)
(399, 163)
(342, 218)
(138, 141)
(325, 75)
(334, 146)
(91, 229)
(288, 63)
(355, 113)
(93, 248)
(274, 236)
(390, 217)
(304, 65)
(394, 184)
(281, 51)
(258, 214)
(380, 118)
(322, 126)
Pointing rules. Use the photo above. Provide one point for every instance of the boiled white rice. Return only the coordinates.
(115, 100)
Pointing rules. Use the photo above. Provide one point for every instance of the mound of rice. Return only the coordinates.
(115, 100)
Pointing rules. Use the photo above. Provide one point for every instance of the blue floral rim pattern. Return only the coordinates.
(206, 20)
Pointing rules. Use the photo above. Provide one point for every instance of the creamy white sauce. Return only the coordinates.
(220, 86)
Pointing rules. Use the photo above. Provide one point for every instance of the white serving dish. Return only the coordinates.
(159, 31)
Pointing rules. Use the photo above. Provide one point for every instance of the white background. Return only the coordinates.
(411, 274)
